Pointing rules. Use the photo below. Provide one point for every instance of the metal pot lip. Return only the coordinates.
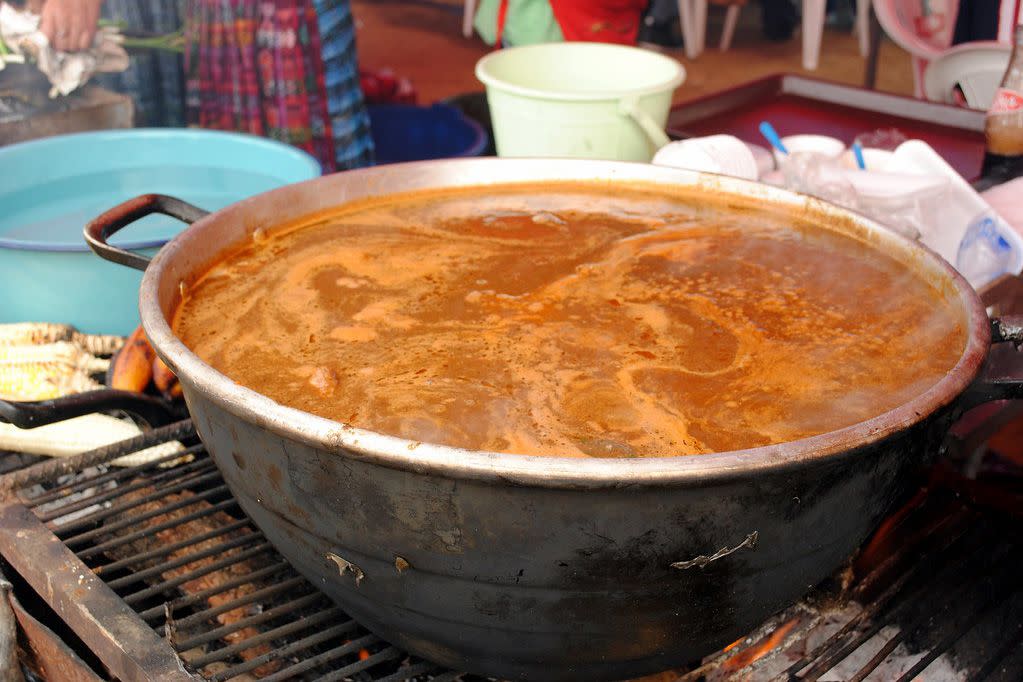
(567, 472)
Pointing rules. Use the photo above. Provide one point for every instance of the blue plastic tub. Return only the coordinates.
(403, 132)
(50, 188)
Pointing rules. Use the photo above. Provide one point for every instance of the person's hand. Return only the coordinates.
(70, 25)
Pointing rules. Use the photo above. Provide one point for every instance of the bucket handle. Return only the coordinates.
(100, 229)
(629, 106)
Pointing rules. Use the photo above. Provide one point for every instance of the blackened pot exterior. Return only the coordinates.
(546, 567)
(543, 583)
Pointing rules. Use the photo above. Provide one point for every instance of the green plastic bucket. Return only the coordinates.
(579, 100)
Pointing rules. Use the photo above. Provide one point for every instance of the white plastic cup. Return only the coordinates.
(875, 160)
(817, 144)
(721, 154)
(764, 159)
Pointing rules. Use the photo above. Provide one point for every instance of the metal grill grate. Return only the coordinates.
(160, 573)
(168, 540)
(935, 593)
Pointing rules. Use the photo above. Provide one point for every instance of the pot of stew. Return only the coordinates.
(560, 418)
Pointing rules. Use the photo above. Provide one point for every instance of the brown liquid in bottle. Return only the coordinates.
(1003, 128)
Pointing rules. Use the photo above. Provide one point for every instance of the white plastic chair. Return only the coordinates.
(976, 67)
(693, 18)
(923, 28)
(468, 15)
(863, 26)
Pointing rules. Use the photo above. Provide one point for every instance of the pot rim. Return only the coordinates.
(394, 452)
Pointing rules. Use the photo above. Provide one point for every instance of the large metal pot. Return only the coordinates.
(545, 567)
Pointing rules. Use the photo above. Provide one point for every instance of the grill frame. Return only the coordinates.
(129, 648)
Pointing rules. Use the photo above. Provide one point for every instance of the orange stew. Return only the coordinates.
(573, 320)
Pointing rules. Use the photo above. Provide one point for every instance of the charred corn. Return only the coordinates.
(27, 333)
(61, 352)
(133, 366)
(42, 381)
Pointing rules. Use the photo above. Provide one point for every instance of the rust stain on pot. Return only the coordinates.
(335, 439)
(401, 564)
(452, 538)
(296, 511)
(345, 566)
(274, 473)
(238, 459)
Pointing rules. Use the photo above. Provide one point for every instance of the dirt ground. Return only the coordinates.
(422, 40)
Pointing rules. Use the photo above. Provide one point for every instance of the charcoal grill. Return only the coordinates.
(935, 592)
(131, 611)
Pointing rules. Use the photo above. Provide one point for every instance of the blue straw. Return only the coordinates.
(768, 131)
(857, 150)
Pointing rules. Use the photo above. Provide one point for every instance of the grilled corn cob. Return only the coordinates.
(42, 381)
(61, 352)
(80, 434)
(25, 333)
(47, 371)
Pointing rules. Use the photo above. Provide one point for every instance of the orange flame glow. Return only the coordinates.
(881, 543)
(734, 644)
(760, 649)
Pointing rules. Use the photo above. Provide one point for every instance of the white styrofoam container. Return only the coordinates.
(960, 205)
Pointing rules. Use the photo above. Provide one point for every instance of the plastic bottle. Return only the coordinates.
(984, 252)
(1003, 127)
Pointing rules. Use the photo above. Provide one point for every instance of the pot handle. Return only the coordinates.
(1007, 328)
(1001, 378)
(100, 229)
(28, 415)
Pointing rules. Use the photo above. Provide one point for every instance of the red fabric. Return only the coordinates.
(502, 16)
(594, 21)
(601, 21)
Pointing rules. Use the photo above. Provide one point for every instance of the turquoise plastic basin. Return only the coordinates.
(50, 188)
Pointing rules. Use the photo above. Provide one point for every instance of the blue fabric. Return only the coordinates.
(349, 120)
(154, 79)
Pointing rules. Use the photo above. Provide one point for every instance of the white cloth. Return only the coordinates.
(1007, 200)
(66, 71)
